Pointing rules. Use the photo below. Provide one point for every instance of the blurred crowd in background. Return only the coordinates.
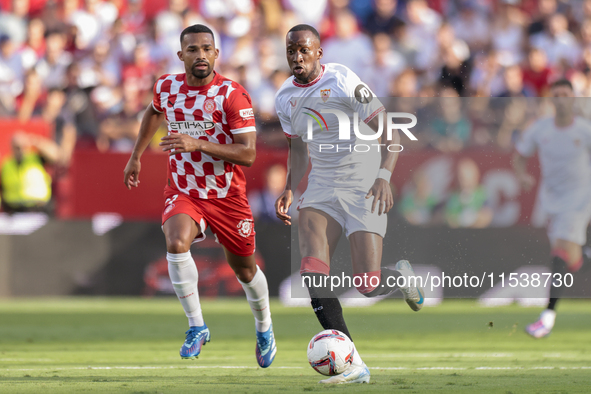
(87, 67)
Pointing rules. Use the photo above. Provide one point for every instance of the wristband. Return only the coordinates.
(384, 174)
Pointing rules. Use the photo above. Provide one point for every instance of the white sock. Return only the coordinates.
(183, 275)
(548, 318)
(257, 294)
(357, 361)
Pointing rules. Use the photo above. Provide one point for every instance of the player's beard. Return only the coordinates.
(201, 74)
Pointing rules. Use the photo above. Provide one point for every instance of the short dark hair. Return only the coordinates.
(197, 29)
(562, 82)
(304, 27)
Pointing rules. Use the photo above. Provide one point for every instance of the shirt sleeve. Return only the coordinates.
(362, 99)
(526, 145)
(156, 102)
(239, 112)
(284, 118)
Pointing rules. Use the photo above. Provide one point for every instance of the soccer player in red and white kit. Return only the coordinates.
(211, 133)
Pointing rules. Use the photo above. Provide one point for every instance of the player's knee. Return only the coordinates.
(245, 274)
(177, 245)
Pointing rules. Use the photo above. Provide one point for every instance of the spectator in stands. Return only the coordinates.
(451, 130)
(560, 45)
(31, 102)
(13, 22)
(119, 130)
(471, 26)
(348, 40)
(455, 55)
(418, 202)
(545, 10)
(383, 18)
(34, 47)
(63, 126)
(79, 108)
(515, 118)
(141, 71)
(486, 78)
(52, 67)
(507, 35)
(11, 75)
(99, 68)
(537, 73)
(420, 33)
(384, 67)
(262, 202)
(25, 185)
(468, 206)
(513, 77)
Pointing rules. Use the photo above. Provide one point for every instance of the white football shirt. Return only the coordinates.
(565, 161)
(335, 162)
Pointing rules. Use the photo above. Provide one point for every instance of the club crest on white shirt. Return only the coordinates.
(324, 94)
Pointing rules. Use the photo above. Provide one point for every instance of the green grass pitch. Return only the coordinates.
(81, 345)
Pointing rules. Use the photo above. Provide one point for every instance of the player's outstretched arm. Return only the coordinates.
(241, 152)
(297, 164)
(150, 123)
(380, 189)
(520, 167)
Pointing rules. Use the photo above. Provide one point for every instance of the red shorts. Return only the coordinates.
(230, 218)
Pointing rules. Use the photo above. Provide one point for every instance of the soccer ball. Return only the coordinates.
(330, 352)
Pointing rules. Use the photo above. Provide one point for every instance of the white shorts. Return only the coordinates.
(569, 226)
(348, 207)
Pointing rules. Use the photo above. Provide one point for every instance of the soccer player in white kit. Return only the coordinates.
(341, 183)
(563, 143)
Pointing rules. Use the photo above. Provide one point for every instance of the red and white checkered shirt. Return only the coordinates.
(214, 112)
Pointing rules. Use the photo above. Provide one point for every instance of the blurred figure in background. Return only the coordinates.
(384, 67)
(383, 18)
(262, 203)
(348, 40)
(25, 185)
(513, 78)
(52, 67)
(537, 72)
(11, 75)
(451, 131)
(467, 207)
(559, 44)
(563, 144)
(418, 203)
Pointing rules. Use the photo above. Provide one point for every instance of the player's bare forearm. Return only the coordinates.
(520, 167)
(150, 123)
(241, 152)
(380, 190)
(519, 164)
(297, 162)
(388, 158)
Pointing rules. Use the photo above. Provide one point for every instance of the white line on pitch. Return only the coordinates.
(251, 367)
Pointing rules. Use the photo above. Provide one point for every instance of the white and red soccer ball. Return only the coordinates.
(330, 352)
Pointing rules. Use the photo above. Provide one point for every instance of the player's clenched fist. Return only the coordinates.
(131, 173)
(282, 205)
(179, 143)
